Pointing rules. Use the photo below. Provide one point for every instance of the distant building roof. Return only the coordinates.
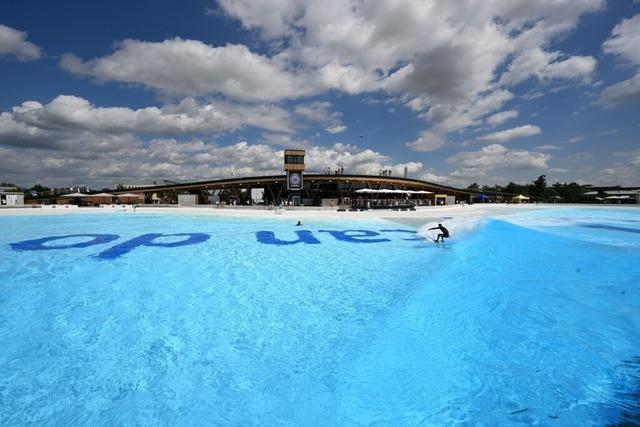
(623, 192)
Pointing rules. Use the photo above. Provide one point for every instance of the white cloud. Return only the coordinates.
(428, 141)
(319, 112)
(576, 139)
(135, 161)
(73, 115)
(501, 117)
(453, 78)
(336, 129)
(619, 174)
(546, 66)
(627, 91)
(273, 17)
(496, 156)
(513, 133)
(14, 42)
(549, 147)
(625, 40)
(284, 140)
(192, 68)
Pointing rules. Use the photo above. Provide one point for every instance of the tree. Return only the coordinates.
(474, 187)
(514, 188)
(570, 193)
(538, 188)
(39, 191)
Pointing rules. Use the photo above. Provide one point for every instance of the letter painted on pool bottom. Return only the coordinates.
(38, 244)
(148, 240)
(269, 238)
(361, 237)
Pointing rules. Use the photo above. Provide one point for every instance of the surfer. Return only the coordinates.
(444, 233)
(298, 224)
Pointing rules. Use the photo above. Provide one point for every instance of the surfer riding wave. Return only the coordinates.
(444, 233)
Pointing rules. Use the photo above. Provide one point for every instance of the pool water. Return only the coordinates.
(198, 320)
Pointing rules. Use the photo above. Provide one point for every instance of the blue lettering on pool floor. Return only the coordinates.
(269, 238)
(264, 237)
(148, 240)
(38, 244)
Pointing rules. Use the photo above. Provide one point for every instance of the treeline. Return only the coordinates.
(566, 192)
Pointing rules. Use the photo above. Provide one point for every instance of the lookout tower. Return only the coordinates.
(294, 160)
(294, 166)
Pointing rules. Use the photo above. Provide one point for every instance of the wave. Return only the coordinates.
(609, 227)
(459, 228)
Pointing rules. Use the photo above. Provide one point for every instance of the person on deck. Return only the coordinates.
(444, 233)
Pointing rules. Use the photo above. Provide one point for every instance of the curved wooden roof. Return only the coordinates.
(255, 181)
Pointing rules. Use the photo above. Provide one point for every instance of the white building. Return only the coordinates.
(11, 198)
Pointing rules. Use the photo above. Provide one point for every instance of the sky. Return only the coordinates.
(99, 93)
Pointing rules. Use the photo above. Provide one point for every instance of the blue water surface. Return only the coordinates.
(524, 320)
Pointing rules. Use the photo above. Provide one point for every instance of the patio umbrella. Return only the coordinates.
(74, 195)
(101, 195)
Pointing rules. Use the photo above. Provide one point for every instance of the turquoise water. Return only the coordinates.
(531, 318)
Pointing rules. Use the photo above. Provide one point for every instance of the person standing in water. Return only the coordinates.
(444, 233)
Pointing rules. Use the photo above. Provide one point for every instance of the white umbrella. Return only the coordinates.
(128, 195)
(74, 195)
(101, 195)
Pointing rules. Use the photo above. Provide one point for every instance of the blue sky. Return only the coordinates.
(457, 92)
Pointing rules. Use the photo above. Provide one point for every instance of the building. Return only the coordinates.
(613, 194)
(132, 186)
(296, 187)
(11, 198)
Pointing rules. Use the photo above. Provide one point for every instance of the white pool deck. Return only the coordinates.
(421, 214)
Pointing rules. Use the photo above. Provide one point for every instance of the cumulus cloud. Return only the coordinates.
(284, 139)
(66, 115)
(272, 17)
(547, 66)
(619, 174)
(320, 112)
(513, 133)
(136, 161)
(70, 139)
(368, 46)
(624, 92)
(625, 43)
(193, 68)
(14, 42)
(428, 141)
(336, 129)
(625, 40)
(496, 156)
(501, 117)
(452, 79)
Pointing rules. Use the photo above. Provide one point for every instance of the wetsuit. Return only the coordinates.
(445, 233)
